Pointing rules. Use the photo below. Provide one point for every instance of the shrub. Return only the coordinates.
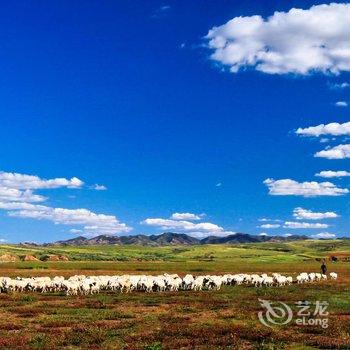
(154, 346)
(28, 299)
(40, 341)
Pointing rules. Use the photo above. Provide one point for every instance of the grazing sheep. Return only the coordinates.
(268, 281)
(187, 282)
(281, 280)
(318, 276)
(256, 280)
(81, 284)
(302, 277)
(239, 279)
(312, 276)
(198, 283)
(333, 275)
(159, 284)
(213, 282)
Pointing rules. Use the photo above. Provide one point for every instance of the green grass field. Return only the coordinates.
(225, 319)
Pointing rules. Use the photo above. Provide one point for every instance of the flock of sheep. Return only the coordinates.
(80, 284)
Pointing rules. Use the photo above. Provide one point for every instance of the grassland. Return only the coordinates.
(225, 319)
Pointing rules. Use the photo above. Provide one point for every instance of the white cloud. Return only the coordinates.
(185, 216)
(203, 234)
(32, 182)
(298, 41)
(339, 86)
(20, 206)
(183, 225)
(3, 240)
(165, 8)
(330, 173)
(341, 104)
(93, 224)
(334, 129)
(269, 220)
(201, 229)
(161, 11)
(324, 235)
(76, 231)
(288, 187)
(337, 152)
(99, 187)
(304, 214)
(263, 234)
(302, 225)
(18, 198)
(269, 226)
(13, 194)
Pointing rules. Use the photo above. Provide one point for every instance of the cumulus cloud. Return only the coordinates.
(263, 220)
(19, 200)
(32, 182)
(92, 223)
(341, 104)
(334, 129)
(339, 86)
(99, 187)
(181, 224)
(299, 41)
(76, 231)
(13, 194)
(201, 229)
(303, 225)
(288, 187)
(269, 220)
(324, 235)
(337, 152)
(330, 173)
(268, 226)
(19, 206)
(304, 214)
(185, 216)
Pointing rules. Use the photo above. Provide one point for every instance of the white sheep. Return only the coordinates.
(81, 284)
(303, 277)
(187, 282)
(268, 281)
(333, 275)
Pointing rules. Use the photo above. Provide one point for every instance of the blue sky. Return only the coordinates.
(133, 96)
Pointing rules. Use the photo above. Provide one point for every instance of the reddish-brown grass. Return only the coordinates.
(225, 319)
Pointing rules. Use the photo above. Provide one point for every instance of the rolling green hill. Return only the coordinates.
(262, 251)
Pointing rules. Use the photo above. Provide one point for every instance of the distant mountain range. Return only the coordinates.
(170, 238)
